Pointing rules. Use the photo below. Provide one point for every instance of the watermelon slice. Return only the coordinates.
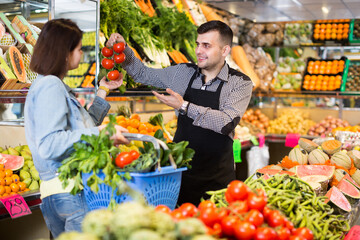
(306, 170)
(350, 191)
(319, 183)
(338, 201)
(11, 162)
(271, 172)
(348, 178)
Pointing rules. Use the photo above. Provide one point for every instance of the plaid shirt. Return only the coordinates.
(234, 97)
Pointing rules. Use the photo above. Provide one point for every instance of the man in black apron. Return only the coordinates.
(211, 97)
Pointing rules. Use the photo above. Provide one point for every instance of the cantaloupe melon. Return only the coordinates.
(16, 62)
(298, 155)
(317, 156)
(341, 159)
(331, 146)
(307, 144)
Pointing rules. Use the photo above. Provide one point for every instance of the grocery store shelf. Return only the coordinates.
(307, 94)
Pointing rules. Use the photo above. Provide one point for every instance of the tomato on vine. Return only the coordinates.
(113, 75)
(119, 58)
(123, 159)
(237, 190)
(107, 52)
(134, 154)
(107, 63)
(119, 47)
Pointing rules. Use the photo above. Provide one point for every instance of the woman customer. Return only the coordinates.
(55, 120)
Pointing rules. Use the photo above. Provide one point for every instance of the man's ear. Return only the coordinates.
(226, 50)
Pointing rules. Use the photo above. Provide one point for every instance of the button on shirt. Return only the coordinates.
(234, 97)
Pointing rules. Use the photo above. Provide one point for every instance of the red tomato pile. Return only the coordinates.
(125, 158)
(110, 59)
(247, 217)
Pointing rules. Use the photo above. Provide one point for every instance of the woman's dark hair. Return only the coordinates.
(57, 39)
(226, 34)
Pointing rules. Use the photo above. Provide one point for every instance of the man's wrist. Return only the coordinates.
(184, 108)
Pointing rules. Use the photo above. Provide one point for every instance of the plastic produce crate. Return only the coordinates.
(158, 187)
(326, 75)
(352, 82)
(354, 37)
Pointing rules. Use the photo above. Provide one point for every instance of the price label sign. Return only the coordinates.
(16, 206)
(292, 139)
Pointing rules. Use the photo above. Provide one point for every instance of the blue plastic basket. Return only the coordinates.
(159, 187)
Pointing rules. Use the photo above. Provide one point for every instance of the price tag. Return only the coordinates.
(15, 205)
(254, 140)
(261, 139)
(237, 151)
(292, 139)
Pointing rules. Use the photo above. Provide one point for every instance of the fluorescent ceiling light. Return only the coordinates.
(297, 2)
(325, 10)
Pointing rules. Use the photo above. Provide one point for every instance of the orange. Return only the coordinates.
(142, 127)
(5, 195)
(320, 78)
(328, 36)
(324, 88)
(2, 182)
(7, 189)
(2, 174)
(346, 26)
(340, 25)
(149, 127)
(143, 132)
(338, 78)
(2, 190)
(316, 36)
(122, 123)
(310, 69)
(156, 128)
(8, 172)
(333, 35)
(2, 167)
(22, 186)
(134, 123)
(12, 193)
(14, 187)
(322, 36)
(313, 77)
(15, 178)
(312, 88)
(317, 26)
(26, 189)
(135, 116)
(8, 181)
(311, 63)
(119, 118)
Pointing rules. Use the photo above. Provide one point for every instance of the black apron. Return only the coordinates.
(213, 163)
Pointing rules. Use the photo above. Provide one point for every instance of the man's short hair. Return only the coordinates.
(226, 34)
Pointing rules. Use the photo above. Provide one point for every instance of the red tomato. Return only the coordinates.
(227, 225)
(215, 230)
(119, 47)
(123, 159)
(119, 58)
(288, 224)
(292, 237)
(266, 212)
(113, 75)
(255, 217)
(222, 212)
(237, 190)
(265, 233)
(107, 63)
(106, 52)
(208, 216)
(244, 230)
(188, 209)
(228, 197)
(256, 202)
(206, 204)
(134, 154)
(177, 214)
(239, 207)
(283, 233)
(303, 232)
(275, 219)
(163, 208)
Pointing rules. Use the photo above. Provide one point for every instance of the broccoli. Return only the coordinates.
(203, 237)
(162, 222)
(129, 217)
(77, 236)
(98, 222)
(190, 227)
(145, 234)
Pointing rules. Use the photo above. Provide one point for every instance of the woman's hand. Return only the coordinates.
(117, 137)
(113, 84)
(115, 38)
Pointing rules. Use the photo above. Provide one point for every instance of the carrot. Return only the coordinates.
(148, 3)
(240, 58)
(135, 52)
(182, 56)
(144, 7)
(287, 163)
(209, 13)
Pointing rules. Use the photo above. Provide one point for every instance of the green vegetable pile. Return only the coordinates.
(296, 199)
(135, 221)
(96, 153)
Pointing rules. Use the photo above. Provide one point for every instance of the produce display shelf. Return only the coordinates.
(32, 199)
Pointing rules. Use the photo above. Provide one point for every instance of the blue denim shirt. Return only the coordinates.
(55, 120)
